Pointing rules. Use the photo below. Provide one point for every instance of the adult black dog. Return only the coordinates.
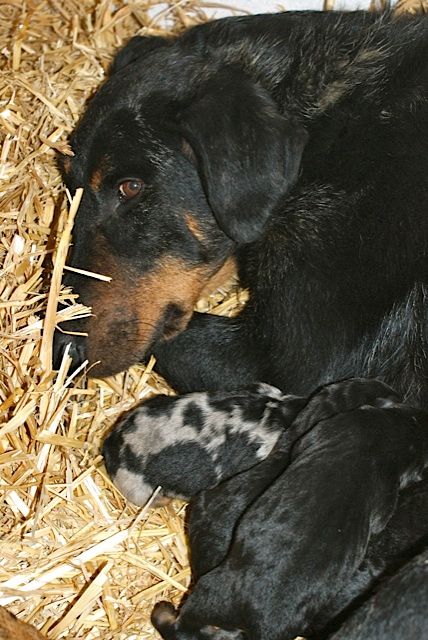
(294, 145)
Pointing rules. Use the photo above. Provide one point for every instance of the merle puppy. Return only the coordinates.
(189, 443)
(293, 146)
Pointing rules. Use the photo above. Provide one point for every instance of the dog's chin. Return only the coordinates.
(106, 369)
(106, 361)
(175, 320)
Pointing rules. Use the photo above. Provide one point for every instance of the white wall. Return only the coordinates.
(262, 6)
(160, 11)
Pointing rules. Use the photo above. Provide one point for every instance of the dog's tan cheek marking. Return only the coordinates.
(111, 304)
(172, 282)
(194, 228)
(96, 179)
(127, 310)
(221, 277)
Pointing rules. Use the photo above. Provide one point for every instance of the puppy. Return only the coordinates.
(289, 537)
(189, 443)
(397, 610)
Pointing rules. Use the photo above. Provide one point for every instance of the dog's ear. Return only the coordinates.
(137, 47)
(247, 154)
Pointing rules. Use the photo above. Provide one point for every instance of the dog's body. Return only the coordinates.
(294, 144)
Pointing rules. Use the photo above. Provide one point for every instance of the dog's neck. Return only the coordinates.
(279, 54)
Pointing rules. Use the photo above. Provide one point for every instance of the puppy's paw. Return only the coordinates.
(163, 618)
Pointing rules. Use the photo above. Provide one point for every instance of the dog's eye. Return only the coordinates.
(130, 188)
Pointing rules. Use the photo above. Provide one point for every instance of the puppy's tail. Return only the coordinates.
(163, 619)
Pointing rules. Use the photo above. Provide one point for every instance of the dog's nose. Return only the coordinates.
(77, 349)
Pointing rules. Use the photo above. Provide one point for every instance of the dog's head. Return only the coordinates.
(181, 159)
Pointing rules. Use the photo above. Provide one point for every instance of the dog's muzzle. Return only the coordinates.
(76, 350)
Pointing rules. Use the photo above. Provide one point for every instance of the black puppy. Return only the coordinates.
(397, 610)
(284, 547)
(294, 145)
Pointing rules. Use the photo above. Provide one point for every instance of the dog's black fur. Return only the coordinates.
(285, 548)
(350, 428)
(295, 144)
(397, 610)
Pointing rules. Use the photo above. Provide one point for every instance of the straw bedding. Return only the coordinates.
(75, 559)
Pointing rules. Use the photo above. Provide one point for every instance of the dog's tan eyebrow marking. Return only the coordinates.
(221, 277)
(194, 228)
(99, 173)
(96, 179)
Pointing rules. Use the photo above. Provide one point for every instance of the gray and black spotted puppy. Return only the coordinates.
(189, 443)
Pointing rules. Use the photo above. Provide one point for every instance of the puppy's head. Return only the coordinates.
(180, 159)
(160, 443)
(188, 443)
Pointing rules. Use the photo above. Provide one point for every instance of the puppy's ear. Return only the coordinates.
(137, 47)
(248, 155)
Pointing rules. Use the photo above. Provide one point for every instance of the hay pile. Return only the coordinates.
(75, 559)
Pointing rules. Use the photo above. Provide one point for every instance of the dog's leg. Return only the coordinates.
(212, 353)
